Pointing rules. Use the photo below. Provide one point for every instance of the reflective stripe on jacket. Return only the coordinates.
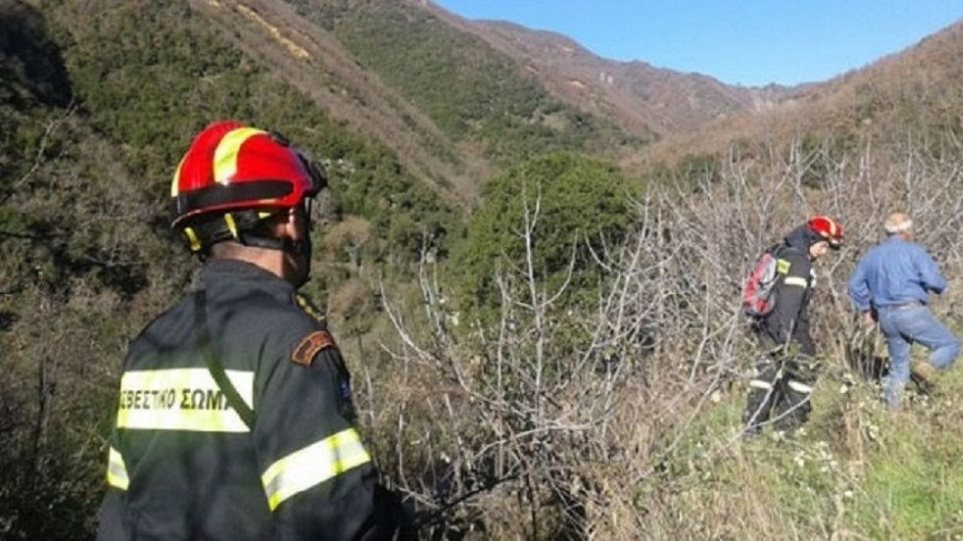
(788, 323)
(183, 464)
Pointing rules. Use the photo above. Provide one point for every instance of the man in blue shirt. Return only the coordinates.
(891, 283)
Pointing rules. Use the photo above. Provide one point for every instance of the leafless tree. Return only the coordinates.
(544, 421)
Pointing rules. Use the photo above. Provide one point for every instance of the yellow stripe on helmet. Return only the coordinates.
(177, 177)
(225, 155)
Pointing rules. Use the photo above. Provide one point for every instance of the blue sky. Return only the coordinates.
(748, 42)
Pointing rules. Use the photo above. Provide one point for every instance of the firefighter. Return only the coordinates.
(780, 390)
(235, 418)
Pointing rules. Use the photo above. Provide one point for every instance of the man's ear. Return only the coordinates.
(280, 223)
(291, 223)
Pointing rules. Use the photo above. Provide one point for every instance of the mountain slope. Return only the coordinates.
(479, 98)
(914, 91)
(640, 98)
(311, 59)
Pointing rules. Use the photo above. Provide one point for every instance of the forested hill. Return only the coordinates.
(637, 96)
(530, 256)
(453, 109)
(98, 99)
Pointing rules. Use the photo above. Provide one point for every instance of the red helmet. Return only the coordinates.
(232, 168)
(828, 229)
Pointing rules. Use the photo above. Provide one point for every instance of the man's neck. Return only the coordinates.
(270, 260)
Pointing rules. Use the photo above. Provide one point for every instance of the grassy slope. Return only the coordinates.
(857, 472)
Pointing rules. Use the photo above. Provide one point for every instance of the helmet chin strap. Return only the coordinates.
(303, 249)
(238, 226)
(263, 242)
(300, 248)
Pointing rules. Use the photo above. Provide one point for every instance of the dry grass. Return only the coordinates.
(622, 421)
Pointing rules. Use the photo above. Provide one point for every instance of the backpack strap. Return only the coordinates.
(214, 365)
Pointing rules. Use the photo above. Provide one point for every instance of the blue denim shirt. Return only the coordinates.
(894, 272)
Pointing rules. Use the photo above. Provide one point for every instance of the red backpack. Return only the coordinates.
(758, 298)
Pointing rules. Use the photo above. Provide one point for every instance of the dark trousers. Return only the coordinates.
(779, 393)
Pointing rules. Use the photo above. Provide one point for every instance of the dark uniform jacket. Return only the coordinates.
(184, 465)
(788, 323)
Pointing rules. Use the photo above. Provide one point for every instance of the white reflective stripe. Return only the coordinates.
(313, 465)
(759, 384)
(800, 387)
(796, 281)
(181, 399)
(117, 470)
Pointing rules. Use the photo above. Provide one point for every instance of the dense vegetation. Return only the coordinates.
(566, 207)
(92, 130)
(632, 430)
(471, 92)
(174, 75)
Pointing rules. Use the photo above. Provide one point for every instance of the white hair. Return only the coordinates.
(897, 223)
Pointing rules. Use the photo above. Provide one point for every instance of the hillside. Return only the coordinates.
(489, 111)
(916, 90)
(544, 344)
(98, 102)
(641, 98)
(318, 65)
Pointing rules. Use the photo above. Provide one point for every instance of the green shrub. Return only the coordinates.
(582, 205)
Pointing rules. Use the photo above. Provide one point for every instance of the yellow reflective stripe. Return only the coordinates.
(231, 224)
(800, 387)
(796, 281)
(192, 238)
(177, 177)
(117, 470)
(225, 155)
(313, 465)
(181, 399)
(759, 384)
(782, 266)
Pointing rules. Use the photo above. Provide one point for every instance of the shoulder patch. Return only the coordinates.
(308, 347)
